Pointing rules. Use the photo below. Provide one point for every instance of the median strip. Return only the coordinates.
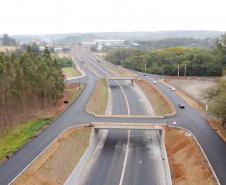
(99, 100)
(49, 169)
(160, 103)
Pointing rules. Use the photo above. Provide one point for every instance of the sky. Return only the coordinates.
(70, 16)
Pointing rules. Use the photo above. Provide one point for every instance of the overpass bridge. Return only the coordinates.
(132, 126)
(131, 78)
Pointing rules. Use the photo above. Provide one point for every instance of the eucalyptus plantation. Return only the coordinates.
(28, 81)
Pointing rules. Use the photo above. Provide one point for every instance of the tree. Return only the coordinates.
(217, 99)
(7, 41)
(28, 79)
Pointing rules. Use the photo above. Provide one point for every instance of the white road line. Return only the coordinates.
(128, 137)
(125, 160)
(127, 103)
(128, 140)
(94, 63)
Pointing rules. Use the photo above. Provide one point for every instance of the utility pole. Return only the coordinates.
(185, 69)
(178, 75)
(178, 70)
(145, 68)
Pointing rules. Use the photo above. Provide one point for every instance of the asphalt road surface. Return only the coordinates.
(213, 146)
(142, 163)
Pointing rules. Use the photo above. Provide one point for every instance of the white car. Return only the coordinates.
(173, 89)
(154, 82)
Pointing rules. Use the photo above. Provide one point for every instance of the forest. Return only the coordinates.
(165, 61)
(28, 80)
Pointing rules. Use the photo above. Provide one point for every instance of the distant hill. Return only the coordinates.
(131, 36)
(176, 42)
(142, 35)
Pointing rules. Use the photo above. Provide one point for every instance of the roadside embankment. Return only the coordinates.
(160, 103)
(19, 134)
(218, 126)
(187, 162)
(189, 90)
(58, 161)
(84, 166)
(99, 100)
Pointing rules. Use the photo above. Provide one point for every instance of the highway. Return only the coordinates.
(213, 146)
(126, 151)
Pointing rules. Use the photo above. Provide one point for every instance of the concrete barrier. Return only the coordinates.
(77, 176)
(165, 157)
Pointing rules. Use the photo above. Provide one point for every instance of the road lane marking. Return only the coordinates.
(127, 103)
(90, 61)
(125, 159)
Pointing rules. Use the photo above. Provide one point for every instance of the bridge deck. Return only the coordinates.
(139, 126)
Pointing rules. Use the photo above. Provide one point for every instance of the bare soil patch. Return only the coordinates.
(187, 163)
(55, 165)
(193, 86)
(158, 102)
(217, 125)
(99, 100)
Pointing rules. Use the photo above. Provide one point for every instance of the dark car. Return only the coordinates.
(181, 105)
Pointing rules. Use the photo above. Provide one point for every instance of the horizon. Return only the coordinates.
(62, 17)
(99, 32)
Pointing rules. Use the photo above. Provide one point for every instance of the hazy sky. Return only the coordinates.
(67, 16)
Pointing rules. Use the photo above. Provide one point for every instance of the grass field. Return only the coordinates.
(70, 72)
(99, 100)
(14, 138)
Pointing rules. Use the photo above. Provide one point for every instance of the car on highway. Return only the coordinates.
(154, 82)
(181, 105)
(173, 89)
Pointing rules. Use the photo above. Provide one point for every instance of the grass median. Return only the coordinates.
(158, 102)
(99, 100)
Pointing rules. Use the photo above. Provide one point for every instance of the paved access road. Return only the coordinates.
(212, 144)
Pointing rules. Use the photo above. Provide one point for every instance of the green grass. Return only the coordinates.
(70, 72)
(15, 138)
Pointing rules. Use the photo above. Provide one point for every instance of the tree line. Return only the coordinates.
(176, 42)
(191, 61)
(7, 41)
(27, 81)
